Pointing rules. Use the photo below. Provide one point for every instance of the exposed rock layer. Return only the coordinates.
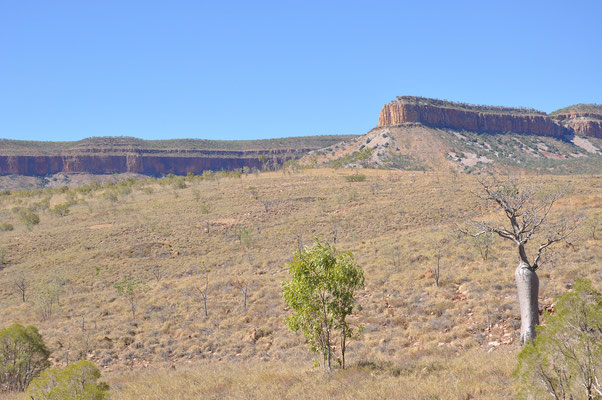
(586, 124)
(150, 164)
(441, 114)
(114, 155)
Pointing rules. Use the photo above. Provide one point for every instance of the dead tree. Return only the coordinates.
(484, 244)
(21, 284)
(202, 291)
(335, 230)
(437, 269)
(526, 209)
(243, 286)
(157, 272)
(396, 257)
(300, 242)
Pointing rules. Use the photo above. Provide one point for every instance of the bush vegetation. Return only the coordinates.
(77, 381)
(355, 178)
(23, 356)
(565, 360)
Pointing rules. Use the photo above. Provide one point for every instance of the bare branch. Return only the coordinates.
(483, 228)
(560, 234)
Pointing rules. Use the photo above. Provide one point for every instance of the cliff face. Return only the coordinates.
(586, 124)
(141, 163)
(114, 155)
(441, 114)
(399, 113)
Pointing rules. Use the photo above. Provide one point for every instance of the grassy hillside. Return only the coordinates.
(420, 341)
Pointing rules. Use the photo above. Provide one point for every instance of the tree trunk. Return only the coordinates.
(527, 284)
(343, 345)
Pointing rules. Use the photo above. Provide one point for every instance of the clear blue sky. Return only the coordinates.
(258, 69)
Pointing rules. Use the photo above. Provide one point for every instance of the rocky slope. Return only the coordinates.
(444, 114)
(416, 133)
(121, 155)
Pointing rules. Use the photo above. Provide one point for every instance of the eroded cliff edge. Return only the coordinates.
(583, 120)
(111, 155)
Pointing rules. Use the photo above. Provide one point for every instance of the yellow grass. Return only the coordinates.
(392, 222)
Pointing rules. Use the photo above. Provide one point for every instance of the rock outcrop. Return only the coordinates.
(445, 114)
(582, 123)
(120, 155)
(139, 163)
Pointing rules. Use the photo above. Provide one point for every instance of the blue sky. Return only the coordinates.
(244, 70)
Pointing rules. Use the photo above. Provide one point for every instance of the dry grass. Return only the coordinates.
(475, 375)
(392, 222)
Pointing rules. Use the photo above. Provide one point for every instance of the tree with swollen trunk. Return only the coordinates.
(526, 210)
(565, 361)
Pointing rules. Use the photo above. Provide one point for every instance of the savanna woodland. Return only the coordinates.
(304, 283)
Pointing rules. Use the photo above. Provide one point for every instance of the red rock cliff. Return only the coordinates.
(582, 123)
(109, 155)
(150, 164)
(481, 119)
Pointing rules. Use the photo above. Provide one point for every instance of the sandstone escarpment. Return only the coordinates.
(444, 114)
(113, 164)
(582, 123)
(120, 155)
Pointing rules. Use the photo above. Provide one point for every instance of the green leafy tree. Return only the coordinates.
(130, 288)
(23, 356)
(78, 381)
(565, 360)
(321, 295)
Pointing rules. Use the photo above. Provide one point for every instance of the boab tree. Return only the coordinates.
(526, 210)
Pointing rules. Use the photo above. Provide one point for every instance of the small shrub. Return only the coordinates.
(5, 227)
(78, 381)
(125, 190)
(179, 183)
(61, 209)
(30, 219)
(111, 196)
(355, 178)
(23, 356)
